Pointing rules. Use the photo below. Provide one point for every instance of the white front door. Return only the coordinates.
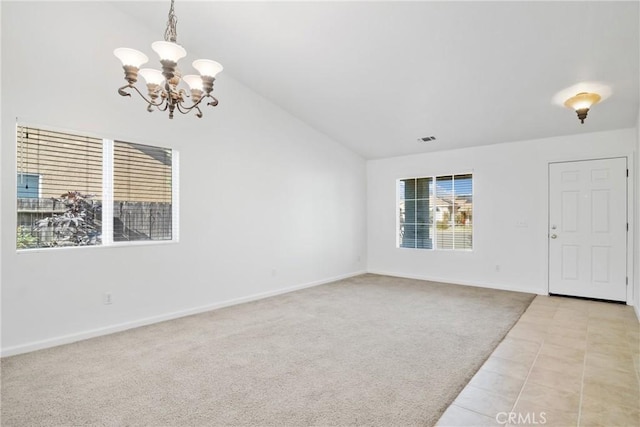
(588, 229)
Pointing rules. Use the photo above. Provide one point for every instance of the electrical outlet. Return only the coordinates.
(274, 272)
(498, 268)
(107, 298)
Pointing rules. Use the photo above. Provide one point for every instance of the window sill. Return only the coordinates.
(92, 247)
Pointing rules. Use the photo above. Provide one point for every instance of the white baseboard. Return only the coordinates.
(637, 310)
(461, 282)
(67, 339)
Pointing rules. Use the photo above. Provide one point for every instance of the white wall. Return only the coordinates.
(510, 186)
(636, 258)
(260, 190)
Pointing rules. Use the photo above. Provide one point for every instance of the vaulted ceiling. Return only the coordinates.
(376, 76)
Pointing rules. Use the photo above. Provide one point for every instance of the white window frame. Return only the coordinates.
(433, 227)
(107, 194)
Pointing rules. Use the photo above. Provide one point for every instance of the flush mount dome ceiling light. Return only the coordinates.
(582, 96)
(582, 102)
(163, 86)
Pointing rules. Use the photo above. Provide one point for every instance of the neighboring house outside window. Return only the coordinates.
(435, 212)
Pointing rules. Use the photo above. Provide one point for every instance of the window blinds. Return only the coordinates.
(142, 192)
(436, 212)
(75, 190)
(59, 188)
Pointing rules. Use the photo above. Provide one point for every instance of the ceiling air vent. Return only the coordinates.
(427, 139)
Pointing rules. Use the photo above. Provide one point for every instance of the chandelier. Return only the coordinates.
(163, 87)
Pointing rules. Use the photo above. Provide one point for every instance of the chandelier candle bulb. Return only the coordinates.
(164, 91)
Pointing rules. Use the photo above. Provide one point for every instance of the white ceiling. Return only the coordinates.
(375, 76)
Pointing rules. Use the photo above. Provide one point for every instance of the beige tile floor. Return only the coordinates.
(567, 362)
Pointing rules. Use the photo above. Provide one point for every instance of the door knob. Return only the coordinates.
(553, 236)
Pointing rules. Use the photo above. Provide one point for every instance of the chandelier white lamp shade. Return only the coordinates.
(164, 91)
(131, 57)
(168, 51)
(151, 76)
(195, 84)
(207, 67)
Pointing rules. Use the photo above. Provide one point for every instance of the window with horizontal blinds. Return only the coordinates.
(66, 207)
(435, 212)
(77, 190)
(142, 192)
(415, 213)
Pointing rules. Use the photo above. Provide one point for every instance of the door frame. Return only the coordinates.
(630, 217)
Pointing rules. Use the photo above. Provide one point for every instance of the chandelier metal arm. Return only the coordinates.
(171, 103)
(186, 110)
(196, 105)
(163, 106)
(160, 107)
(122, 92)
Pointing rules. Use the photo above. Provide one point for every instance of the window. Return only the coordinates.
(28, 186)
(66, 209)
(75, 190)
(141, 192)
(435, 212)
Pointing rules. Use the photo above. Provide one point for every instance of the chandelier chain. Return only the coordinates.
(171, 33)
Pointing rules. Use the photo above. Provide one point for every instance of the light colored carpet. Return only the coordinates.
(370, 350)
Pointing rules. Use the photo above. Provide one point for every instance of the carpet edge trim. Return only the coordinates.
(536, 291)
